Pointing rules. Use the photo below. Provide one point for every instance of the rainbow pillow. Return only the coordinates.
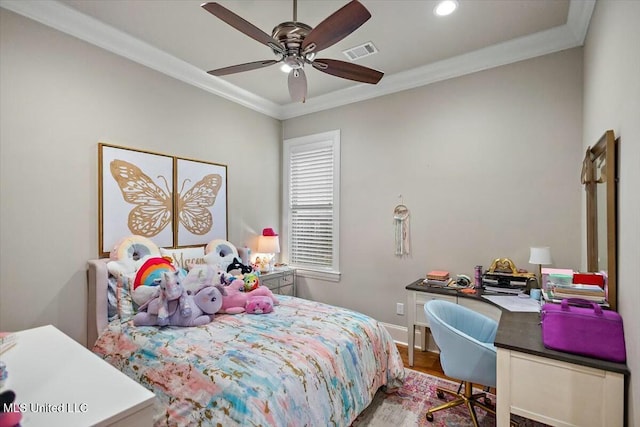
(143, 287)
(152, 269)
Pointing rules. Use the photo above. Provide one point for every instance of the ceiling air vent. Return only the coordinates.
(361, 51)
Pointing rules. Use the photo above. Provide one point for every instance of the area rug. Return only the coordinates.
(408, 406)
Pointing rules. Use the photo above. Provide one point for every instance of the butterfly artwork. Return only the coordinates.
(153, 205)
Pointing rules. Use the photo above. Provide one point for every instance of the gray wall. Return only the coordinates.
(612, 101)
(60, 97)
(488, 164)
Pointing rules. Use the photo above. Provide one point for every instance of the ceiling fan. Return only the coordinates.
(297, 44)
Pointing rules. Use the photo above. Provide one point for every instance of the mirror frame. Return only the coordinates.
(604, 150)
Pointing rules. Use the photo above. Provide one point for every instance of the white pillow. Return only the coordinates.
(184, 257)
(220, 253)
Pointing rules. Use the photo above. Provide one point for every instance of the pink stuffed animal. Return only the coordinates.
(259, 305)
(236, 301)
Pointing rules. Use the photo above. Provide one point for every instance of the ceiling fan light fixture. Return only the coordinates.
(296, 44)
(445, 7)
(285, 68)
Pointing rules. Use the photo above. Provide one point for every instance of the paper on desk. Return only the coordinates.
(515, 303)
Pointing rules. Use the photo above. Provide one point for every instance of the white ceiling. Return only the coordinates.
(181, 39)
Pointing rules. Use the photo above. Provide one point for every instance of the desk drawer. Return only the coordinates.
(422, 298)
(559, 393)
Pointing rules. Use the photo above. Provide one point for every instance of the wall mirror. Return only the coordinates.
(600, 177)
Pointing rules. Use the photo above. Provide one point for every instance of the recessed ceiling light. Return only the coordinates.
(446, 7)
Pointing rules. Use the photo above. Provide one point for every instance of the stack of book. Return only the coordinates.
(7, 340)
(514, 290)
(588, 292)
(437, 278)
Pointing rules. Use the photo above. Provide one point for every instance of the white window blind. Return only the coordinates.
(311, 190)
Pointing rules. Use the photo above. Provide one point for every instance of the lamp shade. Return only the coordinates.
(268, 245)
(540, 255)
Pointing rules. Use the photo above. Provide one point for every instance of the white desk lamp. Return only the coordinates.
(540, 255)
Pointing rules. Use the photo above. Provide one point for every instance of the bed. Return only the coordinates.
(305, 364)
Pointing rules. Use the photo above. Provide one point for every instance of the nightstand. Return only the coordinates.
(281, 282)
(58, 382)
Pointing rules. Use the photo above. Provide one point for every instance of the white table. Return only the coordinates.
(61, 383)
(555, 388)
(552, 387)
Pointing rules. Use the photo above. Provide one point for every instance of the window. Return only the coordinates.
(311, 194)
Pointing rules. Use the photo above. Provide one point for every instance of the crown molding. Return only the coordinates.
(579, 18)
(68, 20)
(569, 35)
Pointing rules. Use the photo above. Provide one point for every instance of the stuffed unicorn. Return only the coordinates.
(170, 289)
(173, 305)
(204, 304)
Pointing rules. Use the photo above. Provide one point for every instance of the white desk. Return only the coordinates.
(61, 383)
(556, 388)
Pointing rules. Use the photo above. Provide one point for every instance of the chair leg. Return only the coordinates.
(469, 399)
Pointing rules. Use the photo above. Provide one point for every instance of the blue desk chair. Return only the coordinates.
(467, 353)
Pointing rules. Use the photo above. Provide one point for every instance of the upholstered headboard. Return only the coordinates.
(98, 281)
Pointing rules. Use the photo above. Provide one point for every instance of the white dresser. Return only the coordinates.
(58, 382)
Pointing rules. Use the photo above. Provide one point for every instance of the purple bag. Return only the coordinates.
(591, 331)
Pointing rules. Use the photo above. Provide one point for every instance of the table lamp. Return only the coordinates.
(540, 255)
(268, 243)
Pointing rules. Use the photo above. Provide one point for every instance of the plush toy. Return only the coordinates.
(226, 279)
(204, 304)
(148, 277)
(238, 267)
(169, 289)
(259, 305)
(236, 300)
(251, 282)
(200, 276)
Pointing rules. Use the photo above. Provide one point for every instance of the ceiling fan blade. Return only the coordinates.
(339, 25)
(242, 25)
(242, 67)
(347, 70)
(297, 85)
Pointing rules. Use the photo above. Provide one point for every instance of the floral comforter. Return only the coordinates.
(304, 364)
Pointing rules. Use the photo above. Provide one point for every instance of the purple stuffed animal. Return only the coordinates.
(204, 304)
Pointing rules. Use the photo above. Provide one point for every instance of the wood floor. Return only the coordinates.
(427, 362)
(423, 361)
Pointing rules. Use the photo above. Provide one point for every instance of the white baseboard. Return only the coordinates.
(400, 335)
